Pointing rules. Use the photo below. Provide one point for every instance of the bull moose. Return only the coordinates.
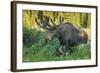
(67, 34)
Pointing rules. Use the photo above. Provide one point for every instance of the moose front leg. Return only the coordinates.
(63, 50)
(60, 50)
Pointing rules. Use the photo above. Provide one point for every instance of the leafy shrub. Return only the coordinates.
(42, 51)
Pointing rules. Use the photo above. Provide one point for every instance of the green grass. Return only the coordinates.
(41, 51)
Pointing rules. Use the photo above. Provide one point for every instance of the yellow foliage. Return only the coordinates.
(73, 17)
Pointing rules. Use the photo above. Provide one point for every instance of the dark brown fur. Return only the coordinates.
(68, 36)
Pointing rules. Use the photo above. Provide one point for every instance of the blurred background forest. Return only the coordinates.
(34, 46)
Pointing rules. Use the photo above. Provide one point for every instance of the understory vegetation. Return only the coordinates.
(35, 49)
